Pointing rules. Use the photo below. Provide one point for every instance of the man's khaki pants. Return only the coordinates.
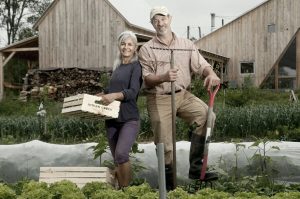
(188, 107)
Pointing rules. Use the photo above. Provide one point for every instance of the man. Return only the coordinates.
(158, 75)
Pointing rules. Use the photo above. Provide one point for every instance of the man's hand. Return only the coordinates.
(154, 80)
(211, 80)
(169, 76)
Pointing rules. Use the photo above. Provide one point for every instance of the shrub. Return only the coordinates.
(37, 190)
(289, 195)
(36, 194)
(178, 193)
(211, 193)
(66, 190)
(109, 194)
(6, 192)
(92, 187)
(137, 191)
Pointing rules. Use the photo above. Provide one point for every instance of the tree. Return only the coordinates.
(16, 15)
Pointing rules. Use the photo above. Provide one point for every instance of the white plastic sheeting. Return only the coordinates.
(286, 160)
(24, 160)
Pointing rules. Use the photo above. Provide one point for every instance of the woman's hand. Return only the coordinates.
(109, 98)
(100, 94)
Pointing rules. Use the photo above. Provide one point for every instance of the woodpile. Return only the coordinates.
(63, 82)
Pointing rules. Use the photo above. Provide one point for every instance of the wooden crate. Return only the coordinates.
(78, 175)
(89, 106)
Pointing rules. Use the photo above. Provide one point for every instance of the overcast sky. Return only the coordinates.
(196, 13)
(193, 13)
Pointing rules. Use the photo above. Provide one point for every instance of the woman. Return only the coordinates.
(124, 86)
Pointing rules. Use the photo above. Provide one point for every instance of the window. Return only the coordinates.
(271, 28)
(247, 67)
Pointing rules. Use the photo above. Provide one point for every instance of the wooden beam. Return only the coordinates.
(8, 58)
(21, 49)
(276, 76)
(298, 60)
(222, 74)
(1, 76)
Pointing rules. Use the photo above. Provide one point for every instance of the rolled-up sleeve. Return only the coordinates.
(145, 60)
(198, 63)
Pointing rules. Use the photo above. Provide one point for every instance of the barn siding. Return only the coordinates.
(247, 38)
(80, 33)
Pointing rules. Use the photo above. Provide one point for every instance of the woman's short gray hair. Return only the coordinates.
(124, 35)
(127, 34)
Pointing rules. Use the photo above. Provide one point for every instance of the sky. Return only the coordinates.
(193, 13)
(197, 13)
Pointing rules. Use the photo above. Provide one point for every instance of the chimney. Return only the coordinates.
(213, 16)
(199, 28)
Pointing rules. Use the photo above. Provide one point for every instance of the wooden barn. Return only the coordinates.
(263, 44)
(79, 33)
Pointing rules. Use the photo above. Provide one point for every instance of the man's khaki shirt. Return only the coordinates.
(155, 58)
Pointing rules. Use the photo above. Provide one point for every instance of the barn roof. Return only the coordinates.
(128, 10)
(26, 48)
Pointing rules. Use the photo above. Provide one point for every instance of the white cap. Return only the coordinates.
(159, 10)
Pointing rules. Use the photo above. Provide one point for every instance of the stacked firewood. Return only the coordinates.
(63, 82)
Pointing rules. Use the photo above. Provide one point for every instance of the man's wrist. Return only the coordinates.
(161, 79)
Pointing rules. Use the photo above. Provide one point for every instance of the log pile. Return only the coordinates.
(63, 82)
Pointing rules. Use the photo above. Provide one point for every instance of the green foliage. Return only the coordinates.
(183, 129)
(12, 16)
(104, 79)
(37, 194)
(178, 193)
(109, 194)
(91, 187)
(289, 195)
(150, 195)
(19, 186)
(6, 192)
(223, 188)
(137, 167)
(14, 71)
(211, 193)
(280, 120)
(145, 127)
(137, 191)
(262, 169)
(37, 10)
(251, 96)
(287, 133)
(262, 163)
(65, 190)
(245, 195)
(12, 107)
(243, 122)
(100, 148)
(26, 32)
(238, 98)
(197, 87)
(33, 189)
